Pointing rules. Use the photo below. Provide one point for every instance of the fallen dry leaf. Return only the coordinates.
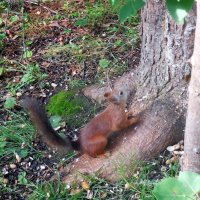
(85, 185)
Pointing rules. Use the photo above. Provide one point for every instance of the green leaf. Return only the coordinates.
(2, 71)
(10, 102)
(2, 36)
(112, 2)
(28, 54)
(23, 153)
(67, 30)
(55, 121)
(28, 43)
(14, 18)
(2, 144)
(82, 22)
(172, 189)
(22, 178)
(191, 180)
(179, 9)
(115, 2)
(104, 63)
(62, 135)
(130, 9)
(119, 43)
(27, 78)
(1, 20)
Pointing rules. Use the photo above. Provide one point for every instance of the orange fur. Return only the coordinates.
(94, 136)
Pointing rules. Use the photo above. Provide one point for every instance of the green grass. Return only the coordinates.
(16, 136)
(119, 38)
(29, 75)
(24, 74)
(173, 170)
(138, 186)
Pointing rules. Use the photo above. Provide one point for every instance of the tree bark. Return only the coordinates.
(191, 159)
(160, 96)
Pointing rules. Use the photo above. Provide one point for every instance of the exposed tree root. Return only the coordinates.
(161, 125)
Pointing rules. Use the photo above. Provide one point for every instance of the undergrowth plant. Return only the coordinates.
(185, 187)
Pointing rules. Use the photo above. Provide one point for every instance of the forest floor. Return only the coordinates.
(48, 48)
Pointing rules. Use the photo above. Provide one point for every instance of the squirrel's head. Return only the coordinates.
(117, 96)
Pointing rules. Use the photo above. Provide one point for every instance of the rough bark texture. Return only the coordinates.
(160, 96)
(166, 47)
(191, 160)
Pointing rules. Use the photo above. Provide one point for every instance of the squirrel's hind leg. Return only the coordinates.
(96, 145)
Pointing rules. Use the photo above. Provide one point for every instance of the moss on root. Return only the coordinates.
(72, 106)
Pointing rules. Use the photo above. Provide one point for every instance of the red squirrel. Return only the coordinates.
(94, 135)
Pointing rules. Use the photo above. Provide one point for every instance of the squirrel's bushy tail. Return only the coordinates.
(39, 118)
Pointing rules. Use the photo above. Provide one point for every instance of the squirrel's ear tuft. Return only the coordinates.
(107, 94)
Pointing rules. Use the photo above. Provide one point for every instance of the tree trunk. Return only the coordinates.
(160, 96)
(191, 159)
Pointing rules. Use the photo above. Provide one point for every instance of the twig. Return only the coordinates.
(84, 70)
(35, 2)
(23, 34)
(6, 22)
(108, 80)
(49, 9)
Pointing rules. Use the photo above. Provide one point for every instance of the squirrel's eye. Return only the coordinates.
(121, 93)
